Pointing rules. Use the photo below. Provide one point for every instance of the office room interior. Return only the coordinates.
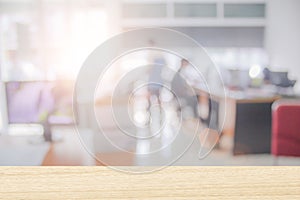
(240, 106)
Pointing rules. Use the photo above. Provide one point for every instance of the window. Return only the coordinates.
(244, 10)
(136, 10)
(48, 40)
(195, 10)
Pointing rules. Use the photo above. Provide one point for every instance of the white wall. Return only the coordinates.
(113, 9)
(1, 120)
(3, 115)
(283, 36)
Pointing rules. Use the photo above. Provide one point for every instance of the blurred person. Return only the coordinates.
(157, 62)
(191, 75)
(155, 79)
(182, 90)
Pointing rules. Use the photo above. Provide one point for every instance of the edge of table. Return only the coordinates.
(189, 182)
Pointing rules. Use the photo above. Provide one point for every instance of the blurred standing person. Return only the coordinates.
(191, 75)
(182, 90)
(157, 63)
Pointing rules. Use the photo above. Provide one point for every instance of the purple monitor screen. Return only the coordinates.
(35, 102)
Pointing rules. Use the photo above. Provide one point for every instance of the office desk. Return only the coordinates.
(253, 122)
(247, 119)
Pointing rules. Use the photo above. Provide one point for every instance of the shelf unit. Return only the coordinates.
(193, 13)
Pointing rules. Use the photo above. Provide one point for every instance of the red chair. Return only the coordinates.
(286, 128)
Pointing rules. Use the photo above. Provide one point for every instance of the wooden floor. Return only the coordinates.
(70, 152)
(170, 183)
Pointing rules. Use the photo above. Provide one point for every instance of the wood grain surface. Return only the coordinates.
(170, 183)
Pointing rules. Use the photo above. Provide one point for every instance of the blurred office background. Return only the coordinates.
(43, 44)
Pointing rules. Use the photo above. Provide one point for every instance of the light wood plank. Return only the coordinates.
(169, 183)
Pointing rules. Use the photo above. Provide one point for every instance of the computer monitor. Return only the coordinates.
(281, 79)
(40, 101)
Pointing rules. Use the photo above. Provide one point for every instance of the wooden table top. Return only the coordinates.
(170, 183)
(247, 96)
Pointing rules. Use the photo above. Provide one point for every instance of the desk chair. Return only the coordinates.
(285, 128)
